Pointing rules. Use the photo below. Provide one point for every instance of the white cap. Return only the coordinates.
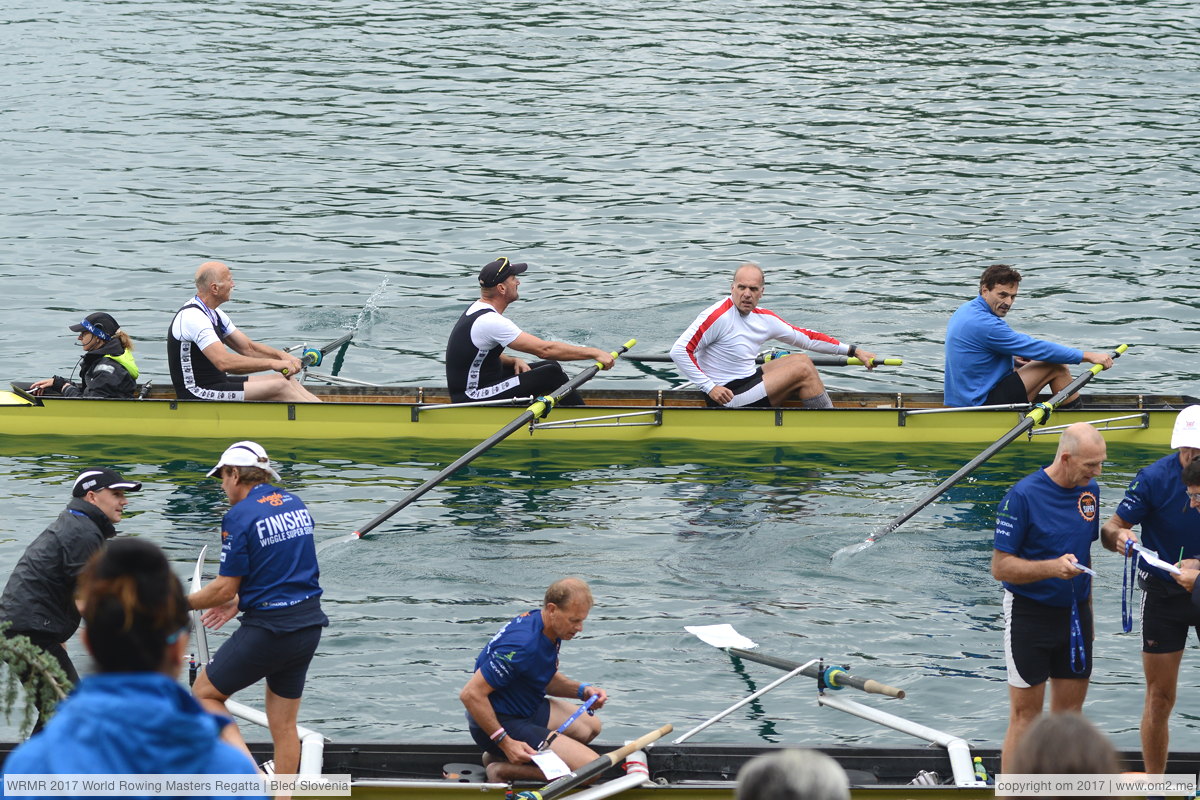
(1187, 428)
(249, 454)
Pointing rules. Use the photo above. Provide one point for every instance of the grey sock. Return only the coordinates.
(820, 401)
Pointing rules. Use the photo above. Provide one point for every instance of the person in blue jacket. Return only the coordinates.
(981, 347)
(132, 717)
(1157, 500)
(1045, 527)
(268, 572)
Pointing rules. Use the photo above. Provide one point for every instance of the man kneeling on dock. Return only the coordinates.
(508, 711)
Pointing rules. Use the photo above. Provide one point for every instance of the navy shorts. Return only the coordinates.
(1037, 641)
(1009, 389)
(254, 653)
(530, 730)
(748, 392)
(1167, 618)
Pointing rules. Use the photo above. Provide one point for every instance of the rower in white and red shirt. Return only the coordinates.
(718, 350)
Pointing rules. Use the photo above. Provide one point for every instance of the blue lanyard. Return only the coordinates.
(1077, 647)
(1128, 584)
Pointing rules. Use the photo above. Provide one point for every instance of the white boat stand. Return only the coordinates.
(312, 744)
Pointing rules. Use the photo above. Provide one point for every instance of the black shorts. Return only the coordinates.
(233, 387)
(542, 378)
(1167, 618)
(530, 730)
(748, 392)
(254, 653)
(1037, 641)
(1009, 389)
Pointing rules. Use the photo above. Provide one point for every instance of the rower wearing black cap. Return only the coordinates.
(39, 598)
(106, 369)
(476, 366)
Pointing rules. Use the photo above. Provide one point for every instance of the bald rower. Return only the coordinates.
(211, 359)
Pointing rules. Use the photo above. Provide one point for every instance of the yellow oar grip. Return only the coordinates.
(617, 353)
(885, 362)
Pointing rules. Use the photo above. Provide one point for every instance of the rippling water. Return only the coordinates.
(355, 162)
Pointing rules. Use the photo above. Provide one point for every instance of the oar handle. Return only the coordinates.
(572, 779)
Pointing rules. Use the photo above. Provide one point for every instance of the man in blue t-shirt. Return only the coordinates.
(269, 573)
(1157, 500)
(508, 711)
(980, 347)
(1045, 527)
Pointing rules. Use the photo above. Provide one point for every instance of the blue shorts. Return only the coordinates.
(530, 730)
(254, 653)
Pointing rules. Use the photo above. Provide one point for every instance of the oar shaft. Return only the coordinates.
(799, 670)
(812, 671)
(537, 410)
(819, 360)
(1038, 415)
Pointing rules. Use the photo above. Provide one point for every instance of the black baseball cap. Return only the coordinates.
(497, 272)
(93, 480)
(100, 324)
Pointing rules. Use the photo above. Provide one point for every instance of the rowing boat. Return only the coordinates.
(611, 415)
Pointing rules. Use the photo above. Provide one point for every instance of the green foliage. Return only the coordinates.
(38, 672)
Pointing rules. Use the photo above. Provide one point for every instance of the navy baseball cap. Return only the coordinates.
(497, 272)
(100, 325)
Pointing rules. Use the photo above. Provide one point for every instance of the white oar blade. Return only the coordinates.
(851, 549)
(720, 636)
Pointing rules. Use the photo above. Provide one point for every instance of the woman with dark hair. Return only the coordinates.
(106, 368)
(133, 716)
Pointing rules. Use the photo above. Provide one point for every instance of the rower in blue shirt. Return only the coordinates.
(980, 351)
(508, 711)
(1045, 527)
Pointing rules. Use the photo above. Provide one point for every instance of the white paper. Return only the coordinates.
(1082, 568)
(551, 765)
(1151, 558)
(720, 636)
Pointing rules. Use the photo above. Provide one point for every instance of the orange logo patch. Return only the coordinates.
(224, 535)
(1088, 506)
(275, 499)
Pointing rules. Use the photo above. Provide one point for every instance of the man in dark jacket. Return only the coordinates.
(39, 598)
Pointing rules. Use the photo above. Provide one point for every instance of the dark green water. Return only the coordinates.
(356, 162)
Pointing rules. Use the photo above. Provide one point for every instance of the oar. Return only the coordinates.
(593, 768)
(540, 408)
(724, 637)
(1038, 416)
(762, 358)
(312, 356)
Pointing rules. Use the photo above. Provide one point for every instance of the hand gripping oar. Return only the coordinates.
(313, 356)
(1038, 416)
(578, 712)
(540, 408)
(590, 770)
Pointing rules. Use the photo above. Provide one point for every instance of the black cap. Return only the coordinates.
(93, 480)
(497, 272)
(100, 324)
